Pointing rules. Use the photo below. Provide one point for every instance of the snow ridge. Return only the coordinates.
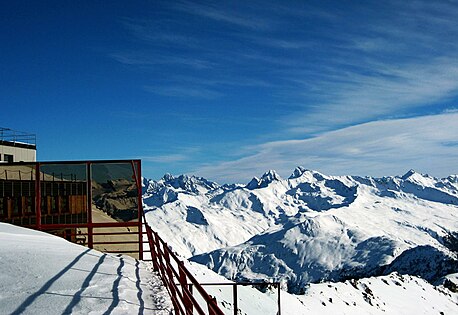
(311, 227)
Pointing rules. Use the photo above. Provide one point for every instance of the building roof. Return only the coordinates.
(10, 137)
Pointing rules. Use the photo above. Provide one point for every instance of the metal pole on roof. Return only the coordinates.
(37, 195)
(89, 205)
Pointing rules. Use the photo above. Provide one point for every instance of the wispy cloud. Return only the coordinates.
(388, 90)
(167, 158)
(399, 65)
(381, 148)
(223, 15)
(144, 59)
(222, 80)
(183, 91)
(370, 62)
(176, 155)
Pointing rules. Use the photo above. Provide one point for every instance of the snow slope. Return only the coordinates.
(45, 274)
(390, 294)
(310, 227)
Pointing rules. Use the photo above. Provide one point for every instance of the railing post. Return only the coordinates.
(184, 289)
(152, 247)
(137, 171)
(158, 246)
(169, 277)
(234, 292)
(37, 196)
(183, 301)
(90, 236)
(212, 305)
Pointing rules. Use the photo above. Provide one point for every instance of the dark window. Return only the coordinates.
(8, 158)
(64, 204)
(43, 205)
(54, 208)
(29, 203)
(17, 206)
(3, 208)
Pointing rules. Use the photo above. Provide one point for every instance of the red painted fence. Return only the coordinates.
(178, 280)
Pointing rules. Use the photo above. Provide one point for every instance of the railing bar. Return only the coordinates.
(123, 251)
(239, 283)
(201, 290)
(189, 295)
(168, 271)
(106, 233)
(193, 299)
(116, 242)
(115, 233)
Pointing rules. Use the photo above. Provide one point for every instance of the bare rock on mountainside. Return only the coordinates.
(118, 198)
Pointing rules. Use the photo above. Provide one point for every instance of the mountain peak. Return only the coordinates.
(270, 176)
(408, 174)
(267, 178)
(298, 171)
(186, 183)
(167, 177)
(253, 184)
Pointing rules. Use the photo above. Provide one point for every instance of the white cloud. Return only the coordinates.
(183, 91)
(388, 90)
(428, 144)
(398, 63)
(166, 158)
(144, 59)
(224, 14)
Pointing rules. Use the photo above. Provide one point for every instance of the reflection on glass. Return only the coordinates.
(17, 194)
(55, 198)
(63, 193)
(114, 192)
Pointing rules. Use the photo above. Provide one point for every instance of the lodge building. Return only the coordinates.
(17, 146)
(93, 203)
(63, 197)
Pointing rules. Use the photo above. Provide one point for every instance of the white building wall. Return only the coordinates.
(19, 154)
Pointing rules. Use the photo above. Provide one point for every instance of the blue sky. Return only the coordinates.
(230, 89)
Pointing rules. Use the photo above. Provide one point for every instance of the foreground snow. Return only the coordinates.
(391, 294)
(44, 274)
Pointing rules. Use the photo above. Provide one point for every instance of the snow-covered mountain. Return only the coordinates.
(390, 294)
(310, 227)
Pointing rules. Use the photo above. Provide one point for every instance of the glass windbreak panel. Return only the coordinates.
(268, 306)
(114, 192)
(63, 193)
(17, 194)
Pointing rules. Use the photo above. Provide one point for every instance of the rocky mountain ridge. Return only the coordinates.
(310, 227)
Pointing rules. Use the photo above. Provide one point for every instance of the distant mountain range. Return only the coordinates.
(310, 227)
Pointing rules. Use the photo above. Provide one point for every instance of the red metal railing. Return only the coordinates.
(177, 279)
(187, 294)
(180, 282)
(235, 286)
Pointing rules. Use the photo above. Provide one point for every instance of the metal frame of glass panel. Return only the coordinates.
(95, 203)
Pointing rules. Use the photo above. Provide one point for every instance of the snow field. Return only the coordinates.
(44, 274)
